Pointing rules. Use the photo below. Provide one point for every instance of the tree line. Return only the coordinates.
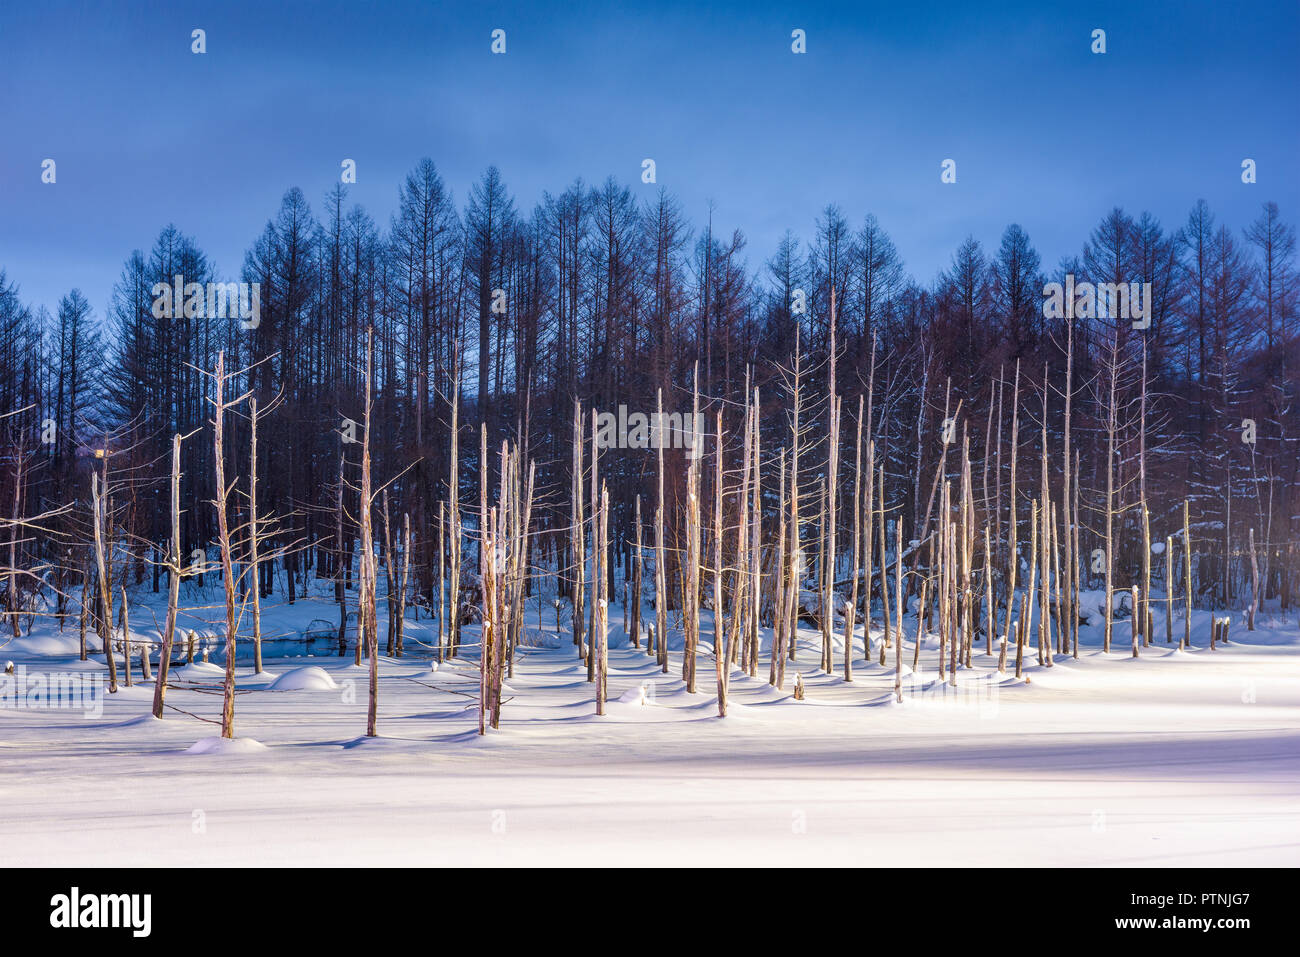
(486, 321)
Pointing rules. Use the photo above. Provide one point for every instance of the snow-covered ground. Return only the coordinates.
(1175, 758)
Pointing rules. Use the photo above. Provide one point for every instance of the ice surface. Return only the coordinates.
(1172, 758)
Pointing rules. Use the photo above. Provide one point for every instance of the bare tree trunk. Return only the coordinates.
(126, 636)
(455, 554)
(1136, 597)
(756, 541)
(823, 597)
(851, 609)
(661, 573)
(634, 609)
(967, 553)
(922, 610)
(488, 579)
(519, 576)
(223, 542)
(1013, 558)
(691, 611)
(1146, 577)
(15, 530)
(796, 546)
(579, 544)
(776, 677)
(390, 576)
(1059, 609)
(898, 585)
(1045, 538)
(1145, 620)
(989, 616)
(1187, 575)
(366, 613)
(721, 653)
(598, 584)
(1074, 573)
(81, 619)
(173, 584)
(1169, 589)
(106, 608)
(600, 640)
(341, 563)
(884, 568)
(1028, 607)
(442, 584)
(1068, 613)
(1254, 585)
(949, 530)
(1111, 429)
(406, 573)
(253, 559)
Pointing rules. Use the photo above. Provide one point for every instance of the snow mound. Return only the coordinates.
(309, 678)
(220, 745)
(50, 644)
(635, 696)
(198, 669)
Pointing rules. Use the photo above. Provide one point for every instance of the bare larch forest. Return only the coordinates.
(421, 416)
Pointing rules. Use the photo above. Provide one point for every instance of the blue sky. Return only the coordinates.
(1044, 132)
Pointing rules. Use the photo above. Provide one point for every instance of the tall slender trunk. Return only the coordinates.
(366, 614)
(173, 583)
(254, 565)
(661, 573)
(1013, 558)
(223, 542)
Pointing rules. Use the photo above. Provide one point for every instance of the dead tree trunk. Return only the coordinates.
(600, 640)
(341, 561)
(579, 545)
(442, 583)
(366, 613)
(223, 542)
(401, 591)
(691, 600)
(1254, 585)
(599, 585)
(1169, 589)
(884, 568)
(637, 569)
(253, 533)
(721, 656)
(106, 608)
(898, 585)
(454, 526)
(661, 574)
(1013, 557)
(1187, 575)
(125, 619)
(852, 607)
(173, 583)
(776, 677)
